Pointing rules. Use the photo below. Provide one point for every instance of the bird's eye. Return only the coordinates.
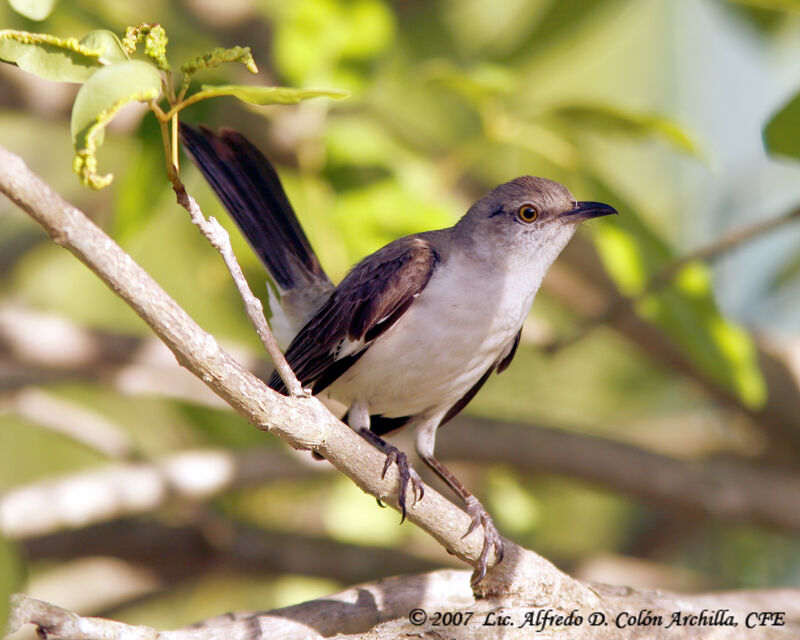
(527, 213)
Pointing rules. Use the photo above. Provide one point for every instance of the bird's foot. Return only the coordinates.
(406, 471)
(407, 476)
(491, 537)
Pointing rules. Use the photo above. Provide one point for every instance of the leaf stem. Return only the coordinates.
(197, 97)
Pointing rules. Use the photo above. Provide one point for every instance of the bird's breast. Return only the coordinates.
(453, 332)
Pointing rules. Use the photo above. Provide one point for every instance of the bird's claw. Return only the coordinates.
(407, 476)
(491, 537)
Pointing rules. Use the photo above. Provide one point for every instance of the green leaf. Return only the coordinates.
(33, 9)
(218, 56)
(477, 82)
(11, 578)
(608, 119)
(266, 95)
(315, 40)
(684, 308)
(782, 133)
(773, 5)
(107, 43)
(98, 101)
(155, 42)
(52, 58)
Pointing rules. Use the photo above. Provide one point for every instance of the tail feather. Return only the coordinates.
(248, 186)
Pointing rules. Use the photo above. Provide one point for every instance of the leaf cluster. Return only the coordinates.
(111, 78)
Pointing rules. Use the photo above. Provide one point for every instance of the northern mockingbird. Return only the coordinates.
(415, 329)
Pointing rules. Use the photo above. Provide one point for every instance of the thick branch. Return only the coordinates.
(725, 489)
(185, 553)
(381, 610)
(303, 422)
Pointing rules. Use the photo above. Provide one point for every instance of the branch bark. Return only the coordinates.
(302, 422)
(186, 553)
(522, 581)
(383, 610)
(724, 489)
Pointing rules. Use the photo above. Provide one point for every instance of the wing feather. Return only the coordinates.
(369, 301)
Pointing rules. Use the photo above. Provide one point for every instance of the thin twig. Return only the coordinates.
(726, 243)
(302, 422)
(220, 240)
(668, 272)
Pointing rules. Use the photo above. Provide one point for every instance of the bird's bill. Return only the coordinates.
(586, 210)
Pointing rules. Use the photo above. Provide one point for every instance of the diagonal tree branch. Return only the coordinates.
(727, 489)
(724, 489)
(523, 580)
(302, 422)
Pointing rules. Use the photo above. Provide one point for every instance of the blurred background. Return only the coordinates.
(648, 432)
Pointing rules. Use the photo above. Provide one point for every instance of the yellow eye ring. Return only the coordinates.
(527, 213)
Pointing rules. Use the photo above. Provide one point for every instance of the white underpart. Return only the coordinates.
(279, 323)
(358, 416)
(456, 329)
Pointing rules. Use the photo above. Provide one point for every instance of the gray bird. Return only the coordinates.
(415, 329)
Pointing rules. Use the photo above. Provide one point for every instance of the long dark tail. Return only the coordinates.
(246, 183)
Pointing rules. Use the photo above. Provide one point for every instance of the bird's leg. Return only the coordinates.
(480, 516)
(358, 419)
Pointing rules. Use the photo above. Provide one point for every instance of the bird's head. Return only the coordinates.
(528, 216)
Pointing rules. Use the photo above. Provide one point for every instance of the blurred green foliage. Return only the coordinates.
(11, 577)
(633, 102)
(33, 9)
(685, 308)
(58, 59)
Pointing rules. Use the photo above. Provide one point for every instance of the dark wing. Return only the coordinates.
(508, 356)
(499, 366)
(248, 186)
(370, 299)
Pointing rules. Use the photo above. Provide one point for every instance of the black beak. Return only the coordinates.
(585, 210)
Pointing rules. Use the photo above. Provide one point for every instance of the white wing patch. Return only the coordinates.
(348, 347)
